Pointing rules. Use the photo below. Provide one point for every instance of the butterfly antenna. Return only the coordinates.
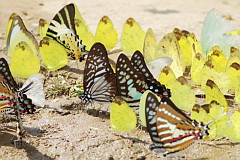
(207, 124)
(27, 88)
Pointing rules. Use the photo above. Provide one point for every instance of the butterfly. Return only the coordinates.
(139, 64)
(167, 77)
(132, 37)
(182, 94)
(10, 92)
(122, 117)
(214, 33)
(62, 29)
(234, 127)
(12, 98)
(22, 48)
(169, 128)
(209, 111)
(106, 33)
(99, 80)
(134, 78)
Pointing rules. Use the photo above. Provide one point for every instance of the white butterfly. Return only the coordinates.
(36, 92)
(157, 65)
(214, 30)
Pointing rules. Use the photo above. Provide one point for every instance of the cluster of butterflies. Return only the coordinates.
(141, 83)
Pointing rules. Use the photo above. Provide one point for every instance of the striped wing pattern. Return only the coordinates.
(13, 99)
(8, 89)
(62, 29)
(99, 80)
(139, 64)
(130, 83)
(175, 130)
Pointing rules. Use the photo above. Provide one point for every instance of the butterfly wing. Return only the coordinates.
(16, 33)
(63, 22)
(122, 117)
(175, 129)
(151, 107)
(99, 78)
(132, 37)
(106, 33)
(130, 83)
(155, 86)
(157, 65)
(10, 92)
(213, 33)
(62, 29)
(36, 92)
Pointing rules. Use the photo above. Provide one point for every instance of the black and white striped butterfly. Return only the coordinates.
(169, 128)
(62, 29)
(134, 78)
(99, 81)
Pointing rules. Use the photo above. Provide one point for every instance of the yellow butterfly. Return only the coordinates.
(122, 117)
(233, 72)
(185, 45)
(43, 27)
(62, 29)
(169, 47)
(106, 33)
(22, 48)
(167, 77)
(234, 56)
(150, 46)
(233, 129)
(132, 37)
(196, 68)
(208, 72)
(182, 95)
(218, 58)
(208, 112)
(213, 93)
(86, 35)
(48, 49)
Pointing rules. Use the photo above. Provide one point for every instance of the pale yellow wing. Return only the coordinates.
(185, 45)
(85, 34)
(182, 95)
(106, 33)
(43, 27)
(206, 113)
(53, 55)
(150, 45)
(122, 117)
(208, 72)
(132, 37)
(219, 60)
(24, 63)
(213, 93)
(16, 33)
(196, 68)
(167, 77)
(169, 47)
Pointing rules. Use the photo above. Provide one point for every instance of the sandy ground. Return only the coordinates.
(75, 134)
